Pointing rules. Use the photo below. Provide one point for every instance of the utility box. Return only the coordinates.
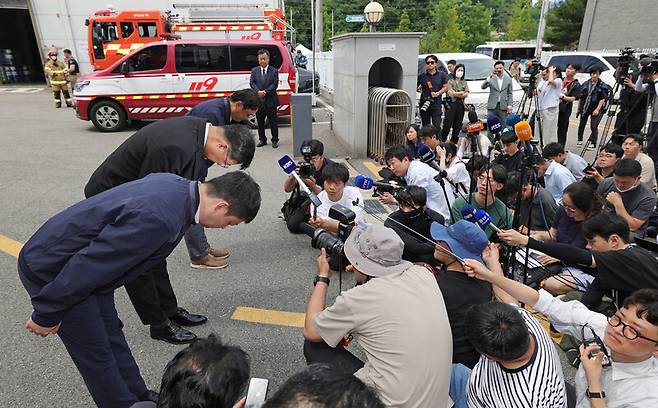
(363, 61)
(301, 120)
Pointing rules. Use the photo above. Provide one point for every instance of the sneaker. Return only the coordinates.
(209, 262)
(591, 147)
(218, 253)
(580, 143)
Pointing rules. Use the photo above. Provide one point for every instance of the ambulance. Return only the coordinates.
(164, 79)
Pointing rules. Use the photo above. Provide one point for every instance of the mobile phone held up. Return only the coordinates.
(256, 393)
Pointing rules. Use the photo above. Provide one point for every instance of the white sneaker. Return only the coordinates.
(580, 143)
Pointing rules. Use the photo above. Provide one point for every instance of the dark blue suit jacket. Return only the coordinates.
(269, 84)
(215, 111)
(105, 241)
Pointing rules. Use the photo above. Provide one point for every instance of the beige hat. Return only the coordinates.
(376, 251)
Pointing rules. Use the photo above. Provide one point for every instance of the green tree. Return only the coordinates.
(365, 28)
(326, 29)
(405, 23)
(563, 24)
(475, 21)
(501, 13)
(524, 22)
(444, 35)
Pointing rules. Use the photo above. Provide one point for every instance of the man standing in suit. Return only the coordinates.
(500, 92)
(185, 146)
(265, 80)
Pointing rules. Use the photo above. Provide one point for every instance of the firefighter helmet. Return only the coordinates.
(52, 51)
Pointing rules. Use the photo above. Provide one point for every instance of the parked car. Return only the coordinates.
(606, 61)
(304, 80)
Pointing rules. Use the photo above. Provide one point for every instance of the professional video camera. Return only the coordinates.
(333, 244)
(532, 69)
(651, 68)
(626, 56)
(388, 177)
(305, 166)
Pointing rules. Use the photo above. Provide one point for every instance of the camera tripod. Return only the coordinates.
(528, 98)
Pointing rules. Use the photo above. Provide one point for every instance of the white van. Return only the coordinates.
(606, 61)
(477, 67)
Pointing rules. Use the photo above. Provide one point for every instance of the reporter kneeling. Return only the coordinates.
(397, 315)
(412, 222)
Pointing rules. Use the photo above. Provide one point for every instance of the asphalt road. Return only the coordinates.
(46, 157)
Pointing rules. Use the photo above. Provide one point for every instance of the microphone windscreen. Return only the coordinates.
(523, 131)
(483, 219)
(425, 154)
(494, 124)
(474, 127)
(513, 119)
(287, 164)
(473, 116)
(469, 213)
(363, 182)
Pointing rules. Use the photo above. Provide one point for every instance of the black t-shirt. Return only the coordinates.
(459, 293)
(626, 270)
(317, 174)
(416, 249)
(72, 61)
(511, 163)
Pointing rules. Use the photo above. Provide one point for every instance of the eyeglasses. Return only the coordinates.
(431, 62)
(627, 331)
(568, 208)
(228, 153)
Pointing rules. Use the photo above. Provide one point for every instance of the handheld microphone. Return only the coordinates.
(288, 165)
(474, 124)
(469, 213)
(512, 120)
(366, 183)
(427, 156)
(494, 124)
(483, 219)
(523, 131)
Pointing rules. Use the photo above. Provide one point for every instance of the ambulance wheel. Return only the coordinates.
(108, 116)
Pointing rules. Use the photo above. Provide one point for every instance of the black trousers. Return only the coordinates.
(593, 124)
(152, 295)
(338, 357)
(453, 121)
(270, 113)
(628, 122)
(433, 115)
(563, 126)
(652, 143)
(298, 216)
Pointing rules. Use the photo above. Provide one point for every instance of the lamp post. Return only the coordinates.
(374, 13)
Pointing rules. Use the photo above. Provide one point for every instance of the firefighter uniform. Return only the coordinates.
(56, 73)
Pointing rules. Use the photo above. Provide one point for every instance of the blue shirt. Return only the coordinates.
(557, 178)
(437, 81)
(103, 242)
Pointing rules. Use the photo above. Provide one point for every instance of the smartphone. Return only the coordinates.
(588, 168)
(256, 393)
(593, 340)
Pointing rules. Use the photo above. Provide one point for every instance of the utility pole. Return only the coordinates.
(332, 22)
(542, 27)
(319, 29)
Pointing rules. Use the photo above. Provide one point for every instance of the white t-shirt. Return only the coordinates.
(549, 95)
(458, 175)
(351, 199)
(422, 175)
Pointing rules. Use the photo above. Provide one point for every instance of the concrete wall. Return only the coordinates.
(354, 55)
(614, 24)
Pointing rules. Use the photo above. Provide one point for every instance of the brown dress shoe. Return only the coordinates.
(218, 253)
(209, 262)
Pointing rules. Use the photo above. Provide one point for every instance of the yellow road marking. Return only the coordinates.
(9, 246)
(265, 316)
(372, 167)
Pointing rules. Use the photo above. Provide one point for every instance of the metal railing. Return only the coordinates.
(389, 114)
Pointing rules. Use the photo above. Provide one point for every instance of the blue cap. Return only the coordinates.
(466, 240)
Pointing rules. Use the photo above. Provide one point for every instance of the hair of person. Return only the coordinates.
(205, 374)
(517, 59)
(397, 152)
(451, 148)
(414, 127)
(317, 147)
(558, 72)
(513, 182)
(412, 196)
(322, 386)
(584, 198)
(67, 51)
(428, 131)
(499, 63)
(627, 168)
(646, 303)
(595, 70)
(432, 56)
(613, 148)
(477, 164)
(574, 66)
(336, 172)
(499, 173)
(457, 66)
(636, 137)
(552, 150)
(451, 62)
(604, 225)
(508, 137)
(497, 330)
(240, 191)
(263, 51)
(242, 144)
(248, 97)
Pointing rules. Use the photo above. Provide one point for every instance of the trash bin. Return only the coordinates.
(389, 113)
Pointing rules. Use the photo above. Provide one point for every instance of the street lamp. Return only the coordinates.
(374, 13)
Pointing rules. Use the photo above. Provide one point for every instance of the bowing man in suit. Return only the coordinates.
(265, 81)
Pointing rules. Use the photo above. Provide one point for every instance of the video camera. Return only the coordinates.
(651, 68)
(388, 177)
(333, 244)
(305, 166)
(626, 56)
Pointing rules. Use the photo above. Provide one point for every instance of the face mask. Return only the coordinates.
(53, 57)
(411, 214)
(620, 191)
(459, 73)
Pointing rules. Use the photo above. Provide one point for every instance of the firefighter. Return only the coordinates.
(56, 72)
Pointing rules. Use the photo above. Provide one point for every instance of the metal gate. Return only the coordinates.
(389, 113)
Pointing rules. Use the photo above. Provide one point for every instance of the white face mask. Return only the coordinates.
(53, 57)
(459, 73)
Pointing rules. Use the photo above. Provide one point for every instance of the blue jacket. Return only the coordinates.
(216, 111)
(269, 84)
(101, 243)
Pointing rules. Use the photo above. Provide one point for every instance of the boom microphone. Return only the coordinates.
(366, 183)
(483, 219)
(288, 165)
(494, 124)
(523, 131)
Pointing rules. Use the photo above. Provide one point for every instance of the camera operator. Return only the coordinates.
(649, 80)
(336, 191)
(605, 164)
(417, 173)
(397, 315)
(542, 203)
(456, 172)
(569, 94)
(296, 209)
(548, 101)
(633, 106)
(630, 339)
(432, 84)
(416, 220)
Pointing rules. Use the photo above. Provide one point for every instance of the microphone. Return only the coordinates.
(494, 124)
(474, 124)
(288, 165)
(483, 219)
(523, 131)
(366, 183)
(512, 120)
(469, 213)
(427, 156)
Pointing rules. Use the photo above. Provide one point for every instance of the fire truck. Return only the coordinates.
(113, 34)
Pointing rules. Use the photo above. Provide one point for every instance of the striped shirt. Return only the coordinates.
(538, 384)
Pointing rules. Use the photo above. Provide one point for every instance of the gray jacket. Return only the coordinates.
(505, 94)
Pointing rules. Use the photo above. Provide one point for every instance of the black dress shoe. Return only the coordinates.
(149, 395)
(173, 333)
(185, 318)
(275, 145)
(261, 144)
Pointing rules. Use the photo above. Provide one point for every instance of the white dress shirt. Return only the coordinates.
(422, 175)
(557, 178)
